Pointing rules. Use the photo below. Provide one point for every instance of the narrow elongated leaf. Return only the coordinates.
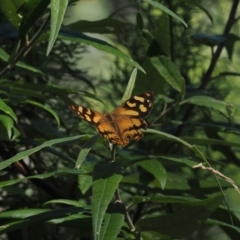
(211, 141)
(9, 8)
(230, 44)
(189, 161)
(156, 169)
(222, 224)
(106, 25)
(182, 222)
(160, 198)
(5, 108)
(84, 183)
(209, 40)
(45, 108)
(5, 57)
(130, 86)
(7, 130)
(28, 152)
(31, 12)
(58, 9)
(173, 138)
(103, 46)
(152, 81)
(85, 150)
(166, 10)
(162, 35)
(113, 221)
(34, 216)
(195, 3)
(72, 203)
(206, 101)
(167, 136)
(41, 176)
(169, 72)
(106, 177)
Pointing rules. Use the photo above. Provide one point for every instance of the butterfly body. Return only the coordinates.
(123, 123)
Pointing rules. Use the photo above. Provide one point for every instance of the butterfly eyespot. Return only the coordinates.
(128, 136)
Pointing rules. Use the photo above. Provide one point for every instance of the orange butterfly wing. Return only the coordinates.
(122, 124)
(99, 120)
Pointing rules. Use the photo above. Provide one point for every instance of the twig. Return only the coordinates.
(200, 165)
(230, 22)
(128, 218)
(207, 76)
(164, 111)
(26, 48)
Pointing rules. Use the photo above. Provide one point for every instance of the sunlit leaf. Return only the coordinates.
(58, 9)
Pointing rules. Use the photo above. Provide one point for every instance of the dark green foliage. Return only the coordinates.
(59, 180)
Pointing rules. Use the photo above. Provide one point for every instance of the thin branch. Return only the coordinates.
(26, 48)
(220, 47)
(226, 74)
(164, 111)
(127, 217)
(207, 76)
(200, 165)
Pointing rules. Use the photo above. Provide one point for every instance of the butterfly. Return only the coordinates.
(123, 123)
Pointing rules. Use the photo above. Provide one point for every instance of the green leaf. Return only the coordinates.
(205, 101)
(208, 40)
(73, 203)
(195, 3)
(222, 224)
(45, 108)
(9, 8)
(103, 46)
(166, 10)
(7, 129)
(106, 177)
(5, 108)
(113, 221)
(182, 222)
(106, 25)
(17, 93)
(139, 20)
(5, 57)
(26, 153)
(42, 176)
(179, 140)
(156, 169)
(211, 141)
(32, 11)
(35, 216)
(84, 183)
(86, 148)
(152, 81)
(189, 161)
(130, 86)
(58, 9)
(230, 43)
(160, 198)
(167, 136)
(165, 98)
(162, 35)
(169, 72)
